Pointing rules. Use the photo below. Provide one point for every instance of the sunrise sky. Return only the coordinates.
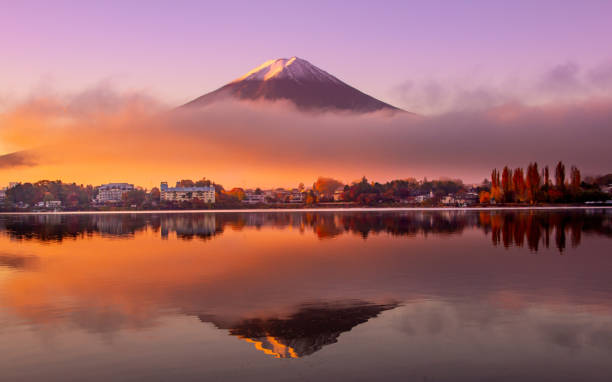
(83, 84)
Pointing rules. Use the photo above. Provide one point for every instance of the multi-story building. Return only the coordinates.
(113, 192)
(253, 198)
(181, 194)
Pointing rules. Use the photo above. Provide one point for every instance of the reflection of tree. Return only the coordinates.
(17, 262)
(507, 228)
(303, 332)
(537, 227)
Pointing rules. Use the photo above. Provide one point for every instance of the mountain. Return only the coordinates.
(296, 80)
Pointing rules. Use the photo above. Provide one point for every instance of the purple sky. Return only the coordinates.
(398, 51)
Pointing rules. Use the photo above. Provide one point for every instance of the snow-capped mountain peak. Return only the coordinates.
(293, 68)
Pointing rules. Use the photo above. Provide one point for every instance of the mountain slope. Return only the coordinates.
(296, 80)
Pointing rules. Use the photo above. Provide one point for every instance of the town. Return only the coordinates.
(513, 188)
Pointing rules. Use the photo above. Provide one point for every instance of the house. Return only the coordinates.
(423, 197)
(49, 204)
(182, 194)
(338, 195)
(296, 197)
(2, 194)
(253, 198)
(113, 192)
(448, 199)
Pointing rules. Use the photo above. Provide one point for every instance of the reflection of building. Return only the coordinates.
(181, 194)
(304, 332)
(188, 226)
(113, 192)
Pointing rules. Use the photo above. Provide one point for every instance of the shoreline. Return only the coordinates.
(295, 210)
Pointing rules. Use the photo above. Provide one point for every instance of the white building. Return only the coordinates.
(49, 204)
(181, 194)
(2, 194)
(113, 192)
(297, 197)
(252, 198)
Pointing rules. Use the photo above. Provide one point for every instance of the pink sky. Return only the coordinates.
(396, 51)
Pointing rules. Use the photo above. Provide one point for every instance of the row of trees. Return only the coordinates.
(70, 194)
(367, 193)
(533, 186)
(508, 186)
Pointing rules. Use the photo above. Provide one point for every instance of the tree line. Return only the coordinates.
(540, 186)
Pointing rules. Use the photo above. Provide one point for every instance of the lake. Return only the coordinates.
(435, 295)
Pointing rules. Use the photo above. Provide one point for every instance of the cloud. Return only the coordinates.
(562, 78)
(601, 76)
(101, 135)
(562, 83)
(18, 159)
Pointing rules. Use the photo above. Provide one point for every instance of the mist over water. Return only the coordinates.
(434, 295)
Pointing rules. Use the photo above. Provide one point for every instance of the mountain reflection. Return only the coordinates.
(255, 276)
(507, 228)
(304, 332)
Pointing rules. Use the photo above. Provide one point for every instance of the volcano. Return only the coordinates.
(298, 81)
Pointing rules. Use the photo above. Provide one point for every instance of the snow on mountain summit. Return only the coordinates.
(296, 80)
(293, 68)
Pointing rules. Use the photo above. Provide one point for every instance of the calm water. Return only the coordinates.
(345, 296)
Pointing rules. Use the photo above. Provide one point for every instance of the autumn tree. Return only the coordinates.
(311, 198)
(238, 193)
(155, 194)
(560, 175)
(496, 193)
(326, 186)
(532, 182)
(506, 184)
(133, 197)
(518, 184)
(484, 197)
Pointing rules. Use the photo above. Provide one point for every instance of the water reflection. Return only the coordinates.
(304, 331)
(445, 288)
(507, 228)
